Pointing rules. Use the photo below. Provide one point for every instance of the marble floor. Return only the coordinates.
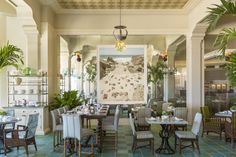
(210, 146)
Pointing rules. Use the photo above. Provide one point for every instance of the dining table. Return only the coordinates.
(224, 114)
(101, 113)
(165, 132)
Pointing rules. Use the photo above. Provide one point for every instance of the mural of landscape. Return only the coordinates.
(121, 76)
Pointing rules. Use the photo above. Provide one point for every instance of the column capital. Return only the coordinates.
(199, 31)
(30, 29)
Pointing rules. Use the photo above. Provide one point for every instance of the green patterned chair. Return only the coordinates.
(230, 129)
(211, 124)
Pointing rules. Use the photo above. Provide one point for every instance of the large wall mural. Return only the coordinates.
(122, 76)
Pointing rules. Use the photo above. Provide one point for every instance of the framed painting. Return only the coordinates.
(122, 76)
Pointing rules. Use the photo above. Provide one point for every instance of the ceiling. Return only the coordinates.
(125, 4)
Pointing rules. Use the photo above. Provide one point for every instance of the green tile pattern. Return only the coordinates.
(210, 146)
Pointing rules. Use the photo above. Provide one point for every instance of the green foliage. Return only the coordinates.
(227, 8)
(156, 72)
(230, 68)
(91, 70)
(68, 98)
(10, 55)
(218, 11)
(3, 113)
(222, 40)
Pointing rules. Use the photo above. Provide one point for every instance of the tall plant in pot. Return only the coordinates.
(156, 74)
(227, 35)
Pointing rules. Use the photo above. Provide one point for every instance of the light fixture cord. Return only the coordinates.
(120, 12)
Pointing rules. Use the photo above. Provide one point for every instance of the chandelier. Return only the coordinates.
(120, 33)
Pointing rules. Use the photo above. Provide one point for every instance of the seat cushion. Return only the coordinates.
(108, 127)
(86, 132)
(185, 135)
(144, 135)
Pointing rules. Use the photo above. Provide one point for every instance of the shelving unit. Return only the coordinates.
(27, 95)
(31, 90)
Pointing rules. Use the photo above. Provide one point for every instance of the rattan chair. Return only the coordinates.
(140, 122)
(22, 137)
(181, 112)
(230, 129)
(141, 136)
(191, 136)
(211, 124)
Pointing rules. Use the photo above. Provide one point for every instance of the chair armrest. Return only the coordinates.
(213, 121)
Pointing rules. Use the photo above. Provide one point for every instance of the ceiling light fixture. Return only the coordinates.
(120, 33)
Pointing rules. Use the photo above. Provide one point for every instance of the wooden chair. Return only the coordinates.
(191, 136)
(211, 124)
(111, 130)
(22, 137)
(73, 133)
(141, 136)
(57, 128)
(230, 129)
(181, 112)
(140, 122)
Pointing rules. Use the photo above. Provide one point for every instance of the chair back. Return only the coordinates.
(65, 108)
(116, 118)
(144, 112)
(131, 121)
(32, 125)
(165, 106)
(205, 112)
(197, 123)
(233, 122)
(60, 110)
(55, 119)
(71, 126)
(181, 112)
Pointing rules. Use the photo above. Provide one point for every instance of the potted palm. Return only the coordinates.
(226, 8)
(156, 74)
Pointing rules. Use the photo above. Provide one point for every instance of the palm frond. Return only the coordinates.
(230, 68)
(218, 11)
(10, 55)
(222, 40)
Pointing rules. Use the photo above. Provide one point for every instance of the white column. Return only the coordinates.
(32, 58)
(195, 74)
(3, 73)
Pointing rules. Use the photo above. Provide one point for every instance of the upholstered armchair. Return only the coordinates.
(230, 129)
(211, 124)
(23, 136)
(191, 136)
(140, 122)
(141, 136)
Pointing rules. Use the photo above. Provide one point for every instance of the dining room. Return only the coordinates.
(125, 78)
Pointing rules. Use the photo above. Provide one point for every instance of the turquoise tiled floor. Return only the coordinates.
(211, 146)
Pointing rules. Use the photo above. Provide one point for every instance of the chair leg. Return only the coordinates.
(54, 141)
(197, 144)
(152, 146)
(232, 142)
(180, 143)
(175, 142)
(192, 144)
(79, 149)
(35, 145)
(92, 148)
(65, 146)
(26, 149)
